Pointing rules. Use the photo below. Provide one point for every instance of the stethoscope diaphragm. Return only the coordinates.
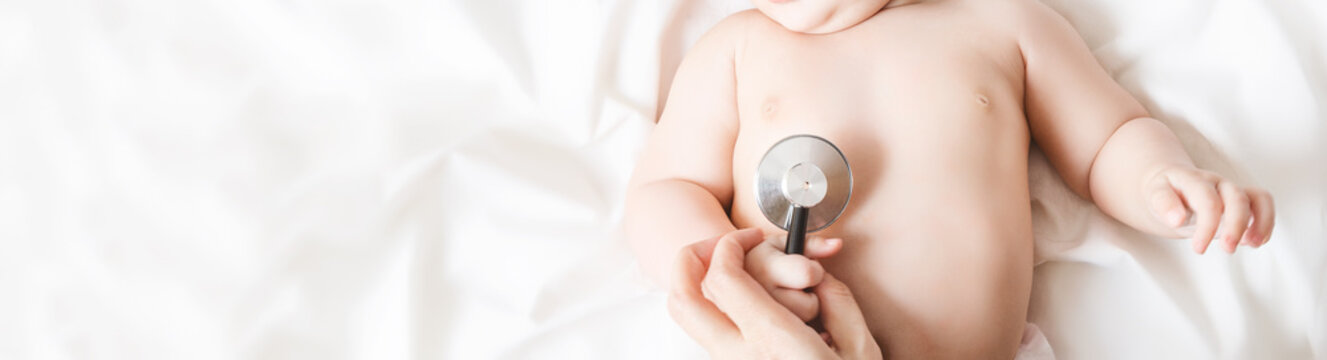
(803, 184)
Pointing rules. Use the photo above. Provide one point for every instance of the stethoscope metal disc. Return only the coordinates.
(806, 171)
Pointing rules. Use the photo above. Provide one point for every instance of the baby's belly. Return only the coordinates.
(937, 234)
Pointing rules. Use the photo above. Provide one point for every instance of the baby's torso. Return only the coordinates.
(926, 103)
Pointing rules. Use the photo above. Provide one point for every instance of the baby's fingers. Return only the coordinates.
(774, 269)
(1236, 217)
(1200, 194)
(1167, 206)
(820, 248)
(803, 304)
(795, 272)
(1264, 217)
(816, 247)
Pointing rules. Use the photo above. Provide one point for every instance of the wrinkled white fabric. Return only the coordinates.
(389, 179)
(1033, 345)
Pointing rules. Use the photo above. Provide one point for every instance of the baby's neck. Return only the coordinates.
(897, 3)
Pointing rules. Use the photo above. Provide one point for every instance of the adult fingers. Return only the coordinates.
(1200, 194)
(1236, 215)
(844, 321)
(748, 238)
(747, 304)
(759, 262)
(1264, 217)
(688, 307)
(803, 304)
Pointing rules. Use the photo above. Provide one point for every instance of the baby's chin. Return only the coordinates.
(805, 24)
(819, 16)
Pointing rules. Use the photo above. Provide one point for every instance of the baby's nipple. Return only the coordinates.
(770, 108)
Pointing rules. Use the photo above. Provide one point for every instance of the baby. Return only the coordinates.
(935, 104)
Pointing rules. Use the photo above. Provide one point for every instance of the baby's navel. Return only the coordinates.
(770, 108)
(983, 101)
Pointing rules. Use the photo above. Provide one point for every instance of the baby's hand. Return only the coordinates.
(1214, 201)
(786, 277)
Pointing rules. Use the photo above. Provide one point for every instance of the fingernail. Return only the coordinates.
(834, 241)
(1175, 217)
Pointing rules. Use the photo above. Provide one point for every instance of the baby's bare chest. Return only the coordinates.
(899, 83)
(930, 118)
(905, 108)
(878, 73)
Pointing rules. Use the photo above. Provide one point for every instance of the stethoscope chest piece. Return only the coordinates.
(802, 185)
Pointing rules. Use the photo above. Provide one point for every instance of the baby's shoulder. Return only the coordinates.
(731, 33)
(723, 36)
(738, 25)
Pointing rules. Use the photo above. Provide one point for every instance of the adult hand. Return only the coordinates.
(789, 278)
(743, 321)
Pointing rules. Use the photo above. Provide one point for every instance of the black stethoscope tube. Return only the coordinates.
(797, 230)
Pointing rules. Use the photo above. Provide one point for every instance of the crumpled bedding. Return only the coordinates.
(355, 179)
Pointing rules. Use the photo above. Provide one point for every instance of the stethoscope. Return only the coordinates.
(802, 185)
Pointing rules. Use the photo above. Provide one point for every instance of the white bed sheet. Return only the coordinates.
(357, 179)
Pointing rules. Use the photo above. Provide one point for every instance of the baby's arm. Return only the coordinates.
(1108, 149)
(683, 180)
